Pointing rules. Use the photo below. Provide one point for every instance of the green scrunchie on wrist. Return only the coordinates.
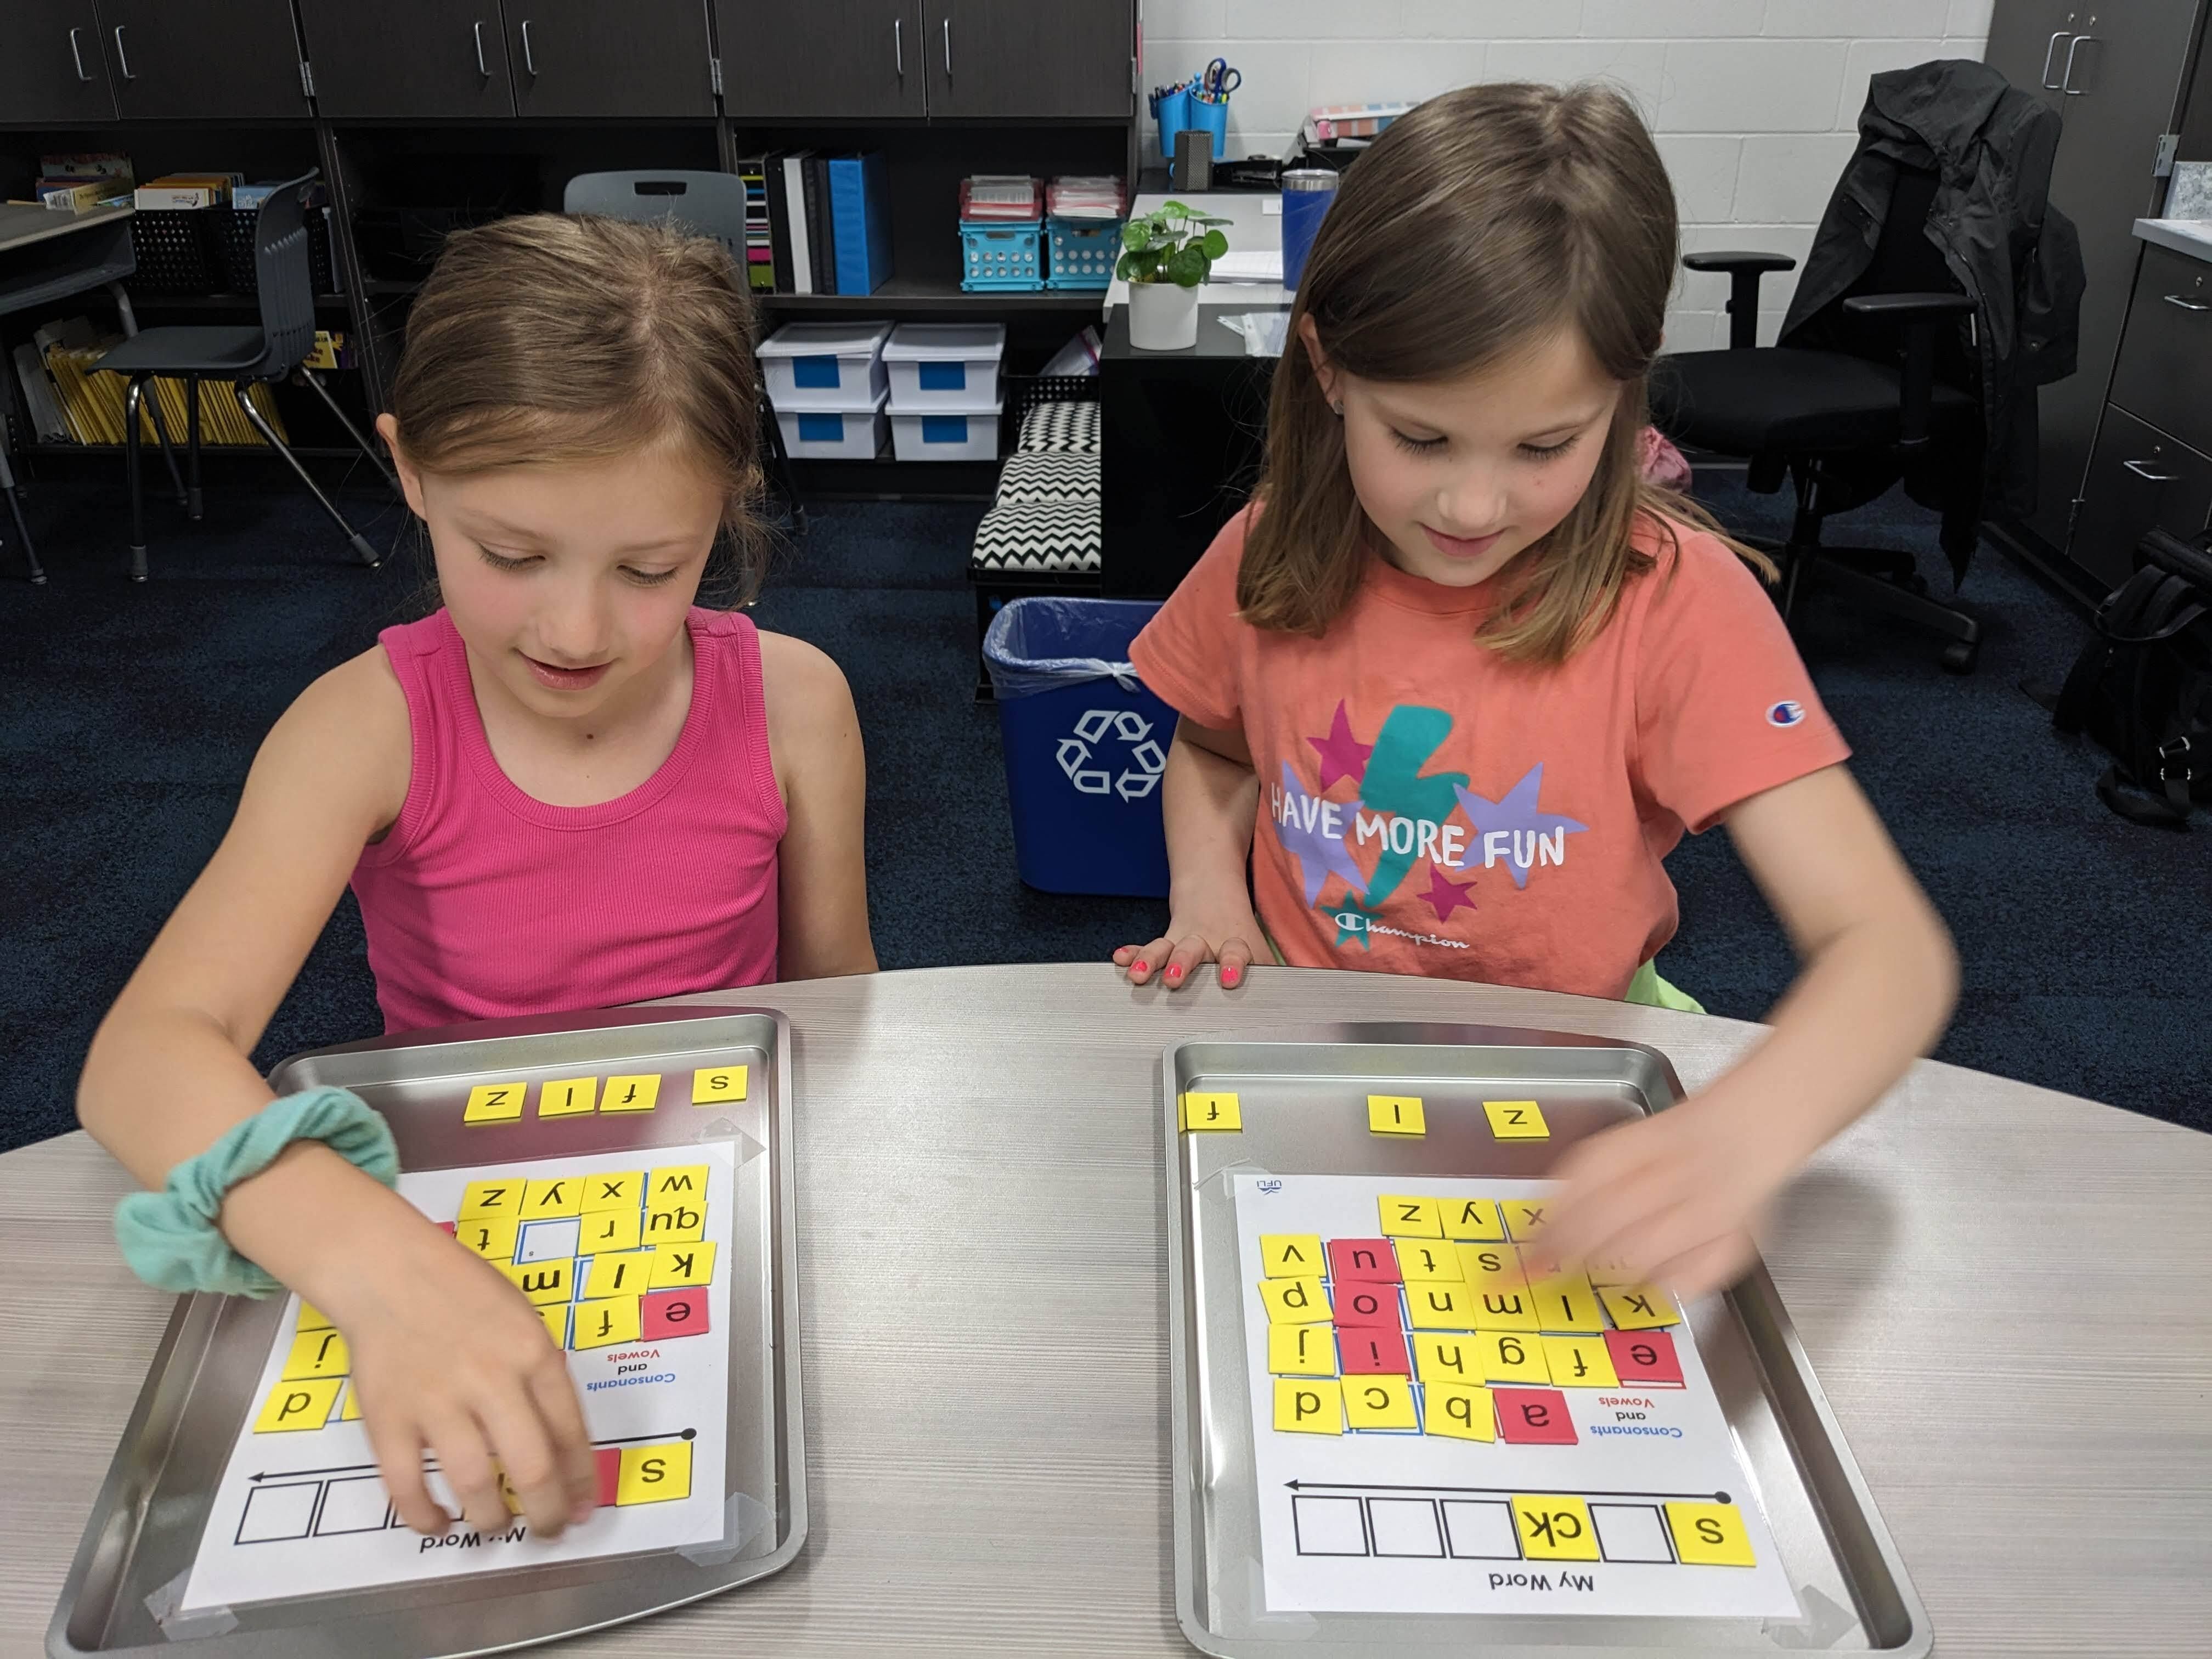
(170, 1239)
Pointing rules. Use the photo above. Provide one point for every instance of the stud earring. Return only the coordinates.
(1336, 407)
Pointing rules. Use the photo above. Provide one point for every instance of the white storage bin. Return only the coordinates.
(825, 365)
(944, 365)
(833, 434)
(951, 436)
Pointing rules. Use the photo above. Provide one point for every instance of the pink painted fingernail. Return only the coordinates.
(1229, 976)
(1175, 973)
(1136, 966)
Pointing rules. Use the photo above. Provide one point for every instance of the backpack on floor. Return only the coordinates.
(2142, 688)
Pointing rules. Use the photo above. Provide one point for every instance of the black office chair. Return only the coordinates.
(276, 350)
(1902, 399)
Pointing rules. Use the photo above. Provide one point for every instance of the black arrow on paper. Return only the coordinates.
(1370, 1486)
(430, 1462)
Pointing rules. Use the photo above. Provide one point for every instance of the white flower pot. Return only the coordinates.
(1163, 317)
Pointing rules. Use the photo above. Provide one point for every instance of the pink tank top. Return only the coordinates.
(483, 903)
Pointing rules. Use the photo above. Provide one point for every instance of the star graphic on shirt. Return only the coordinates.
(1318, 854)
(1342, 755)
(1515, 811)
(1446, 897)
(1351, 923)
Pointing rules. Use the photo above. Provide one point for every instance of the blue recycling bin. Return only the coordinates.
(1086, 745)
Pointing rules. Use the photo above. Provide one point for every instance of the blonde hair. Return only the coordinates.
(1484, 219)
(552, 338)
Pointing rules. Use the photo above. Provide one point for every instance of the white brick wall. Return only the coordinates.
(1754, 102)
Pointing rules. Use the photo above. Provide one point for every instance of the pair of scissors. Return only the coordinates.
(1220, 80)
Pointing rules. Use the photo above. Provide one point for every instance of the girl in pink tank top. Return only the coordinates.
(569, 786)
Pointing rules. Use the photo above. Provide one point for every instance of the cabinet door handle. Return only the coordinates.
(2142, 470)
(2066, 83)
(2188, 304)
(2049, 53)
(948, 48)
(898, 45)
(122, 61)
(529, 58)
(76, 52)
(483, 67)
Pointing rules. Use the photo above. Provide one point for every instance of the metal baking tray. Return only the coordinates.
(146, 1524)
(1301, 1090)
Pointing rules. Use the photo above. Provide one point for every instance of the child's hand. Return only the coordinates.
(1671, 1199)
(1223, 934)
(448, 1354)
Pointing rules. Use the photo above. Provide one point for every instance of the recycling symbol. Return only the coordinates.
(1146, 761)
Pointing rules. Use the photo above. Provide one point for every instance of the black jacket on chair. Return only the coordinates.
(1990, 146)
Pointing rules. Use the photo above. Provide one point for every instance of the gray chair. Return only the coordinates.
(276, 350)
(710, 204)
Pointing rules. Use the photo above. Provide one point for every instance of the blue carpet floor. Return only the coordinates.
(128, 716)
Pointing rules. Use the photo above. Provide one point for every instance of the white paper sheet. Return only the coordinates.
(303, 1513)
(1413, 1522)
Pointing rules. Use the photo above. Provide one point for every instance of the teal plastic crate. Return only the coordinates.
(1083, 252)
(1001, 256)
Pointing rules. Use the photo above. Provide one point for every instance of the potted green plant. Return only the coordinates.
(1165, 255)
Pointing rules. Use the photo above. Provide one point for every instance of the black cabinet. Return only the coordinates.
(51, 68)
(1023, 58)
(587, 57)
(195, 59)
(831, 60)
(418, 59)
(2140, 479)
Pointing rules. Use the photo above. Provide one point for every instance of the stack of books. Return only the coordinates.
(188, 189)
(79, 183)
(69, 403)
(822, 224)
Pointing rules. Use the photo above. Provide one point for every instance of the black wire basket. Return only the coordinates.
(236, 226)
(176, 250)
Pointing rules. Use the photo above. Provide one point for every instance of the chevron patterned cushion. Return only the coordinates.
(1027, 537)
(1043, 478)
(1067, 428)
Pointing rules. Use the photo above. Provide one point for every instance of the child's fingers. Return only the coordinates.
(554, 1393)
(520, 1442)
(1235, 956)
(1149, 960)
(466, 1463)
(1126, 955)
(1190, 951)
(1712, 1266)
(399, 1449)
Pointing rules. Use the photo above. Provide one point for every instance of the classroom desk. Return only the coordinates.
(2002, 1288)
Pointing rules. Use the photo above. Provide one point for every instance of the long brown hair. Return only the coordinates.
(551, 337)
(1484, 220)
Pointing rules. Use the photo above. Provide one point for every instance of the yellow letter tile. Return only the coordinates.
(541, 1281)
(1446, 1359)
(490, 1197)
(1459, 1411)
(1396, 1114)
(351, 1412)
(615, 1189)
(603, 1323)
(1555, 1529)
(556, 1315)
(1438, 1306)
(1565, 1302)
(719, 1082)
(1379, 1402)
(678, 1265)
(1502, 1308)
(1510, 1357)
(1474, 1220)
(312, 1318)
(1420, 1258)
(1406, 1216)
(1709, 1535)
(1292, 1256)
(316, 1354)
(1303, 1407)
(1301, 1350)
(544, 1200)
(680, 1221)
(571, 1097)
(1295, 1301)
(1524, 1217)
(1640, 1307)
(1488, 1267)
(620, 1273)
(1201, 1112)
(487, 1236)
(298, 1406)
(631, 1094)
(1517, 1120)
(610, 1230)
(495, 1102)
(1579, 1362)
(654, 1475)
(676, 1183)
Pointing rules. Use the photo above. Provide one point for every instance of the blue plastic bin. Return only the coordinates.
(1086, 745)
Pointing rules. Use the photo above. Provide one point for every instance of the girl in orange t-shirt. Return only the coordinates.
(1459, 681)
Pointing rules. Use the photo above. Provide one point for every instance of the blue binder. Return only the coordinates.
(862, 227)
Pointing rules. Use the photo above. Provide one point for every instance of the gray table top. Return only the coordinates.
(2002, 1289)
(22, 226)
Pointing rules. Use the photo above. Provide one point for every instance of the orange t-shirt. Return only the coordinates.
(1427, 807)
